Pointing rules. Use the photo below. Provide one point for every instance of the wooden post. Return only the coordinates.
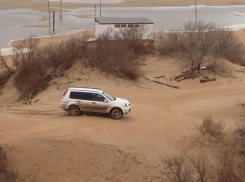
(53, 22)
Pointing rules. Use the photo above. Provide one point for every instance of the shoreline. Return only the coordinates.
(45, 40)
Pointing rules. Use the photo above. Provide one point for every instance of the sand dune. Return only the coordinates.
(43, 138)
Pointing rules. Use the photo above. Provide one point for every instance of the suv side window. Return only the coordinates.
(81, 95)
(97, 97)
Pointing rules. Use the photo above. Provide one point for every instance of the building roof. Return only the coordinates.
(114, 20)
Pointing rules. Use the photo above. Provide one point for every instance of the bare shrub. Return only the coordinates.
(5, 174)
(25, 51)
(33, 75)
(202, 45)
(137, 38)
(117, 52)
(36, 66)
(115, 57)
(179, 168)
(4, 77)
(228, 157)
(3, 61)
(8, 175)
(201, 166)
(106, 35)
(230, 168)
(240, 129)
(133, 33)
(6, 73)
(211, 130)
(183, 168)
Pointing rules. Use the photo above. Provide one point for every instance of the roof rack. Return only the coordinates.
(85, 88)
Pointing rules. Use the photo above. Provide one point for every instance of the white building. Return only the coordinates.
(143, 27)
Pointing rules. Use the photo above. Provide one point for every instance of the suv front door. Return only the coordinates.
(99, 104)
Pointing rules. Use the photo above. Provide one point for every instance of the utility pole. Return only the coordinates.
(196, 11)
(53, 22)
(100, 7)
(49, 15)
(60, 10)
(94, 13)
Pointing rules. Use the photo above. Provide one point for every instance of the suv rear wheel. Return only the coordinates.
(116, 113)
(74, 110)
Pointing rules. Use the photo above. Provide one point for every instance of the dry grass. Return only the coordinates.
(211, 130)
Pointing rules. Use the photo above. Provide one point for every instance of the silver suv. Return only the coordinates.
(79, 99)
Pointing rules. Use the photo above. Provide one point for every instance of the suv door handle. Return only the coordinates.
(78, 101)
(93, 102)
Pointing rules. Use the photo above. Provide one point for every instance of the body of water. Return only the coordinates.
(90, 1)
(164, 18)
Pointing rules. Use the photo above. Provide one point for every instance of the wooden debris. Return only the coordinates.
(187, 75)
(205, 77)
(207, 80)
(176, 87)
(36, 100)
(160, 76)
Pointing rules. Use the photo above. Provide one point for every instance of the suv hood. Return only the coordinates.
(120, 100)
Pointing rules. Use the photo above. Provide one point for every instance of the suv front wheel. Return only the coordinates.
(74, 110)
(116, 113)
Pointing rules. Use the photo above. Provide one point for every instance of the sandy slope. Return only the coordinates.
(40, 137)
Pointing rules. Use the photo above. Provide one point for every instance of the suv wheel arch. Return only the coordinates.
(115, 108)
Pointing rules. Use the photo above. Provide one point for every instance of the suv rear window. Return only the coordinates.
(81, 95)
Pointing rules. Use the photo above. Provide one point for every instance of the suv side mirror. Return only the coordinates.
(105, 100)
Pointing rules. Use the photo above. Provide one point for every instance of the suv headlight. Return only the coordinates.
(126, 104)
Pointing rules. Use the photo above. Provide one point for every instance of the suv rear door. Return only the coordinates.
(83, 100)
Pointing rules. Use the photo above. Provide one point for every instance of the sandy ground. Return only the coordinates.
(41, 5)
(40, 138)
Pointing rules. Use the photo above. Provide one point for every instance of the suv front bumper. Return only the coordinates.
(126, 110)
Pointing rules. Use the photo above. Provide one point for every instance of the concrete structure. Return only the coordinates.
(143, 27)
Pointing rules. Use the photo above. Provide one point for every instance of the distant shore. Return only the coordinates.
(41, 5)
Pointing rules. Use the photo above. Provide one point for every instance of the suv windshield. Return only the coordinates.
(108, 96)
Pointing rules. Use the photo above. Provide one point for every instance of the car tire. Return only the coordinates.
(74, 110)
(116, 113)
